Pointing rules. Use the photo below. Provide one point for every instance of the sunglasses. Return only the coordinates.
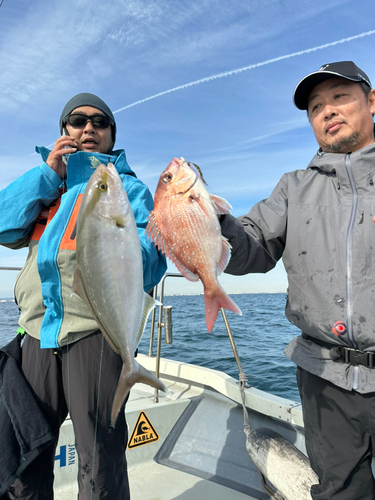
(77, 120)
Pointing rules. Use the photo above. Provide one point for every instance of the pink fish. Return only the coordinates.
(184, 225)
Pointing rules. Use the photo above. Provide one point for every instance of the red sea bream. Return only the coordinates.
(184, 225)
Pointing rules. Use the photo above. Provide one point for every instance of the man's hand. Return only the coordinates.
(63, 146)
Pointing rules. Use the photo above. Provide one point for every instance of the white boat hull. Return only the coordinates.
(194, 447)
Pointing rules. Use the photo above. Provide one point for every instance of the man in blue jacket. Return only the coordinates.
(64, 355)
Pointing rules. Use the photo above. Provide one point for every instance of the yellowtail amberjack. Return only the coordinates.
(109, 275)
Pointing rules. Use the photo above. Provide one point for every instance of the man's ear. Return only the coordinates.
(371, 101)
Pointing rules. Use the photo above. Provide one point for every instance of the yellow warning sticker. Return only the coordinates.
(143, 432)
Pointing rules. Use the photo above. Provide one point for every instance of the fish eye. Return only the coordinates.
(167, 178)
(102, 186)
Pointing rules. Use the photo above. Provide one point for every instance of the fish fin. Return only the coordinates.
(213, 301)
(189, 275)
(162, 245)
(221, 205)
(156, 236)
(126, 381)
(150, 224)
(146, 377)
(226, 248)
(149, 303)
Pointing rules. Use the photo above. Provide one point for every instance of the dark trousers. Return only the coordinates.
(340, 432)
(80, 379)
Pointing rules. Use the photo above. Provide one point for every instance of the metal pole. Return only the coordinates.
(158, 345)
(160, 325)
(158, 351)
(155, 294)
(242, 375)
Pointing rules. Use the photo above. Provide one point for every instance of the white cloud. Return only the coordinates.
(275, 130)
(50, 42)
(51, 46)
(12, 167)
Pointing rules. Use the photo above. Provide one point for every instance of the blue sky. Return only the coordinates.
(237, 122)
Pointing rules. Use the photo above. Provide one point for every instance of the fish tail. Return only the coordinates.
(213, 302)
(149, 378)
(126, 381)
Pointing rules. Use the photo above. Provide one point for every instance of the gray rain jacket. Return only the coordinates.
(320, 221)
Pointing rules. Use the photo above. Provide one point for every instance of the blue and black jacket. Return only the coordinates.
(41, 214)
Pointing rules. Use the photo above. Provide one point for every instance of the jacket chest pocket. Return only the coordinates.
(367, 219)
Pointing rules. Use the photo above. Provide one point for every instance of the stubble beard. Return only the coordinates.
(344, 146)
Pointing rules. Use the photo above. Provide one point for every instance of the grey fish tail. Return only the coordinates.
(126, 381)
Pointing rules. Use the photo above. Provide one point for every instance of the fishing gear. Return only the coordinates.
(275, 458)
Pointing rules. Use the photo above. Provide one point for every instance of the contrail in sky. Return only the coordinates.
(246, 68)
(240, 70)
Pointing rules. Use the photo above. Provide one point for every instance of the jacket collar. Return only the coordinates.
(82, 164)
(361, 161)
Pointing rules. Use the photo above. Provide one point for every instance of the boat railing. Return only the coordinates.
(165, 321)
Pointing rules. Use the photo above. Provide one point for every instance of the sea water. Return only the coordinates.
(260, 335)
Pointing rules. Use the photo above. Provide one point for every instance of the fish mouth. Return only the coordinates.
(186, 179)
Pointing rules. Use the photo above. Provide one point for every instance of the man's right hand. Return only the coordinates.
(55, 160)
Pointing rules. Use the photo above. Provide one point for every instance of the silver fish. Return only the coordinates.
(277, 460)
(109, 275)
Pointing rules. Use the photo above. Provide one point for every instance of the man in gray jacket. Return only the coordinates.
(321, 222)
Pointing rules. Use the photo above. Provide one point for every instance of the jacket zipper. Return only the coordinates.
(349, 266)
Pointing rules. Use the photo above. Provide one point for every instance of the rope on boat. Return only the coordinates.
(243, 384)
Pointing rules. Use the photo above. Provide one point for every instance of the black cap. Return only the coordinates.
(345, 69)
(87, 99)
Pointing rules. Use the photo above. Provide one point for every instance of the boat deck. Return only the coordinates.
(190, 445)
(152, 481)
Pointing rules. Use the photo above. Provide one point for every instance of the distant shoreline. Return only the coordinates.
(8, 299)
